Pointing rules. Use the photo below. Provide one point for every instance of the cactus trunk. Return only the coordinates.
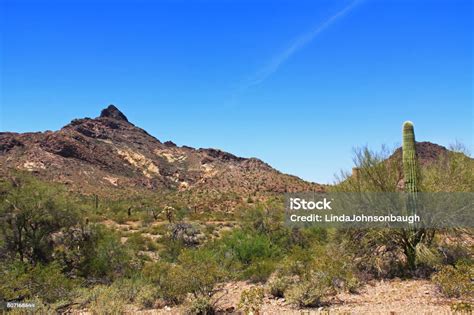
(410, 169)
(410, 174)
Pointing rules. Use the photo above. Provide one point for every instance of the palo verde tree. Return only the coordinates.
(30, 213)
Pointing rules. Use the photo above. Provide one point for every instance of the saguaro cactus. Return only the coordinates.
(410, 169)
(413, 236)
(96, 201)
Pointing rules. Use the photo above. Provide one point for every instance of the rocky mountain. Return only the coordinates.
(426, 153)
(109, 152)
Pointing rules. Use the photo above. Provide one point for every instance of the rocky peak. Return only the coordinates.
(426, 152)
(113, 112)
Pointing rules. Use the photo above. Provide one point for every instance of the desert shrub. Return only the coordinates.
(310, 290)
(134, 290)
(312, 235)
(31, 212)
(297, 262)
(146, 296)
(179, 236)
(168, 280)
(260, 270)
(120, 217)
(455, 281)
(376, 253)
(306, 276)
(451, 173)
(22, 281)
(428, 258)
(251, 300)
(138, 242)
(376, 172)
(267, 220)
(129, 287)
(263, 218)
(108, 258)
(453, 252)
(201, 271)
(210, 229)
(161, 229)
(247, 247)
(172, 249)
(201, 306)
(277, 285)
(187, 233)
(104, 299)
(461, 308)
(196, 271)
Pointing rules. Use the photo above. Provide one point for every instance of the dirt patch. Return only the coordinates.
(382, 297)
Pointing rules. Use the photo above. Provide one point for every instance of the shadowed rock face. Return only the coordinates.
(113, 112)
(108, 152)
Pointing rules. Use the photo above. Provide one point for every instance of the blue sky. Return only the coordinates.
(297, 84)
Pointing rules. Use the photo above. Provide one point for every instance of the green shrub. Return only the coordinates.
(168, 279)
(201, 306)
(201, 271)
(179, 236)
(461, 308)
(309, 291)
(129, 287)
(38, 211)
(314, 234)
(428, 257)
(297, 262)
(452, 172)
(246, 247)
(376, 253)
(138, 242)
(454, 252)
(277, 285)
(103, 300)
(259, 271)
(251, 300)
(187, 233)
(147, 296)
(197, 271)
(20, 281)
(309, 275)
(456, 281)
(172, 249)
(108, 258)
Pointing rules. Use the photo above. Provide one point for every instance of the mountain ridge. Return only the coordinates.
(95, 154)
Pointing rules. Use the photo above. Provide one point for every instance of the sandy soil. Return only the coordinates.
(382, 297)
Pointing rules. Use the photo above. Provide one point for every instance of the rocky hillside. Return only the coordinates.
(109, 152)
(426, 153)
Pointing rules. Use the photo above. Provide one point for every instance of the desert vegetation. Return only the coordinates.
(66, 251)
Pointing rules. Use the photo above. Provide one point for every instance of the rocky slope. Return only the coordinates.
(110, 153)
(426, 153)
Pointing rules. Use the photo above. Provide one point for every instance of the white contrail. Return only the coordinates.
(297, 44)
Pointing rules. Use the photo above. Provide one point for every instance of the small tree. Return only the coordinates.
(30, 214)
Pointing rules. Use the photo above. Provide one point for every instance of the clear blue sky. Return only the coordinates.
(297, 84)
